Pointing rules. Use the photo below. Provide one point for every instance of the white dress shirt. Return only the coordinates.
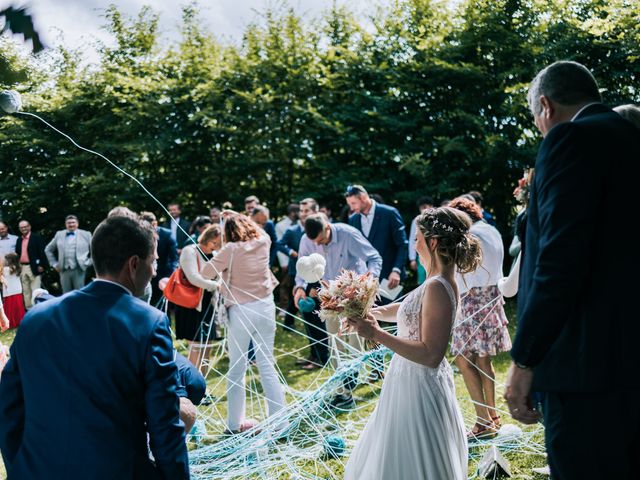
(366, 219)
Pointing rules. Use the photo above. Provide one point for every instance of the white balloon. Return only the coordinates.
(311, 267)
(10, 101)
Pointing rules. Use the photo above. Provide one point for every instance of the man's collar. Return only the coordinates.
(28, 235)
(372, 209)
(334, 235)
(113, 283)
(583, 109)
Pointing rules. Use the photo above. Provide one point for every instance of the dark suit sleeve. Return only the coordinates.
(166, 430)
(271, 231)
(568, 188)
(11, 408)
(172, 257)
(282, 245)
(399, 239)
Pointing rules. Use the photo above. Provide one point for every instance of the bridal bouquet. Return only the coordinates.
(350, 295)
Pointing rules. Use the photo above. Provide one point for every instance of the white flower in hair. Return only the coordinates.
(311, 267)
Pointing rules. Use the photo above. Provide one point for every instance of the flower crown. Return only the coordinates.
(442, 226)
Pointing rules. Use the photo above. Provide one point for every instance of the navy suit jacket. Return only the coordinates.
(90, 374)
(167, 254)
(291, 241)
(388, 236)
(35, 250)
(576, 324)
(270, 230)
(181, 237)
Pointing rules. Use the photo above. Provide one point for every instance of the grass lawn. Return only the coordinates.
(521, 461)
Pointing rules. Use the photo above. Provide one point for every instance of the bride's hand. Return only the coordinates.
(365, 327)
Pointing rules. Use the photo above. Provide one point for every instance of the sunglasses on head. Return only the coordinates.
(353, 190)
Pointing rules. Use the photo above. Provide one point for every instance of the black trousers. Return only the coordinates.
(593, 435)
(317, 332)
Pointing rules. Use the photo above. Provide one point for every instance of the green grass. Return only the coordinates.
(521, 463)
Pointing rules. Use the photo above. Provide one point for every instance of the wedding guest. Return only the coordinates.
(327, 212)
(383, 226)
(30, 248)
(478, 198)
(417, 430)
(196, 325)
(196, 228)
(576, 338)
(177, 225)
(69, 252)
(343, 247)
(12, 289)
(250, 203)
(7, 240)
(423, 203)
(286, 280)
(216, 216)
(314, 327)
(243, 264)
(481, 332)
(167, 255)
(260, 215)
(102, 378)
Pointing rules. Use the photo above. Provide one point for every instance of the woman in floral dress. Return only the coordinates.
(481, 332)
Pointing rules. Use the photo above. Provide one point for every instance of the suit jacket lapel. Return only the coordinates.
(374, 225)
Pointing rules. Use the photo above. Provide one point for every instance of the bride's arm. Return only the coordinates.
(386, 313)
(435, 329)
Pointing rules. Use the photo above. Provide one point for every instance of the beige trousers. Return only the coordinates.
(30, 282)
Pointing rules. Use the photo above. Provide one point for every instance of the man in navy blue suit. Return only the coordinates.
(92, 374)
(577, 335)
(383, 226)
(167, 255)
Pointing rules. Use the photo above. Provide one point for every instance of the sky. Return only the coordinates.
(79, 21)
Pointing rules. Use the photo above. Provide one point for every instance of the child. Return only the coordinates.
(12, 290)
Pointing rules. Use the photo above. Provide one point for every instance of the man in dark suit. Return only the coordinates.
(260, 215)
(577, 334)
(382, 225)
(167, 255)
(101, 379)
(33, 260)
(177, 234)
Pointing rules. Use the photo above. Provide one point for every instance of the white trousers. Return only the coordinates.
(252, 322)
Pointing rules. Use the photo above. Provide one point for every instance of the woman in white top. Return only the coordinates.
(481, 329)
(195, 324)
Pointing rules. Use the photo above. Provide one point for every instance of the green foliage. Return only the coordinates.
(428, 98)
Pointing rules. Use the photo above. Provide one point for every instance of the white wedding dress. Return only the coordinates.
(416, 431)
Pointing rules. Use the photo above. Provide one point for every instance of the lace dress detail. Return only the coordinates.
(416, 430)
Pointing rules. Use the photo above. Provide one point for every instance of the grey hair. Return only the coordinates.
(630, 112)
(260, 209)
(565, 83)
(313, 205)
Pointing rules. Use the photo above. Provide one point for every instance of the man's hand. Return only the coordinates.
(293, 254)
(40, 269)
(298, 294)
(394, 280)
(413, 265)
(517, 394)
(57, 267)
(365, 327)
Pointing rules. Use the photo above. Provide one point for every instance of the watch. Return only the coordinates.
(521, 366)
(397, 270)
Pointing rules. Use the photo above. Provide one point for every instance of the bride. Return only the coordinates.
(416, 431)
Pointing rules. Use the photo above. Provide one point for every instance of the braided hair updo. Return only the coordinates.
(456, 245)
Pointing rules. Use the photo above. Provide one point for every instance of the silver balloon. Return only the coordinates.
(10, 101)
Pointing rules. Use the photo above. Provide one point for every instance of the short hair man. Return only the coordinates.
(423, 203)
(167, 255)
(30, 248)
(250, 203)
(7, 240)
(260, 215)
(69, 252)
(383, 226)
(177, 226)
(102, 378)
(576, 337)
(343, 247)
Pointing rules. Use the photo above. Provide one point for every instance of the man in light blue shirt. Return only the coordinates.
(343, 247)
